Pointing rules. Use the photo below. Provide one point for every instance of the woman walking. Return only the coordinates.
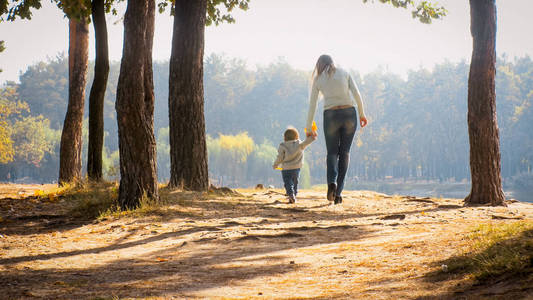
(340, 119)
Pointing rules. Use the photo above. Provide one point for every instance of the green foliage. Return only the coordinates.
(260, 161)
(230, 153)
(238, 146)
(424, 11)
(110, 164)
(6, 143)
(25, 140)
(44, 86)
(277, 94)
(18, 8)
(163, 154)
(2, 48)
(219, 11)
(33, 138)
(77, 9)
(9, 107)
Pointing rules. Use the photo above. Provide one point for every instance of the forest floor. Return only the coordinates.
(248, 244)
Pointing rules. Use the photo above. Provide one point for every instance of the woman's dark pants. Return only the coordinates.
(339, 131)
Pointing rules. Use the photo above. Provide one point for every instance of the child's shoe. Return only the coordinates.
(292, 199)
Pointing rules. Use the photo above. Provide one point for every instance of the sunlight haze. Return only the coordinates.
(359, 36)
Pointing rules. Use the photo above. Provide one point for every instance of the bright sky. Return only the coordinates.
(359, 36)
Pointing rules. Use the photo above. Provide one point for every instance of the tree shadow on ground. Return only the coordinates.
(74, 207)
(41, 224)
(174, 270)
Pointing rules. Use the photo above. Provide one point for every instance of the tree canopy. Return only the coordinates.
(424, 11)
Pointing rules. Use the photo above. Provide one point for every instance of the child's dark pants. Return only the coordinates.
(290, 180)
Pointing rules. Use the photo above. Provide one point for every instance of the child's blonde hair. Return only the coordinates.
(291, 134)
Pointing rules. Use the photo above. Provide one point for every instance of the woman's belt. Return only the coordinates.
(340, 107)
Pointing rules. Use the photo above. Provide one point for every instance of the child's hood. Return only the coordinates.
(291, 146)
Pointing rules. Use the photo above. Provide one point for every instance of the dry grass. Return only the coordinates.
(97, 200)
(494, 250)
(90, 200)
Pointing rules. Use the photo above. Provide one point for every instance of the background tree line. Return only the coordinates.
(417, 128)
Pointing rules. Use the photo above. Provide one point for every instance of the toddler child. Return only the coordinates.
(290, 158)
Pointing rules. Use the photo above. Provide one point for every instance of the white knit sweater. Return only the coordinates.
(336, 90)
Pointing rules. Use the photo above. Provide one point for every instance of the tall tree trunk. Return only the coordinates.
(134, 105)
(188, 150)
(482, 123)
(96, 97)
(149, 97)
(71, 142)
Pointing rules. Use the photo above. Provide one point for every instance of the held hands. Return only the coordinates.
(312, 133)
(363, 121)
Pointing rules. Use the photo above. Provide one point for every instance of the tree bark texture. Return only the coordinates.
(71, 136)
(483, 130)
(134, 105)
(96, 97)
(188, 150)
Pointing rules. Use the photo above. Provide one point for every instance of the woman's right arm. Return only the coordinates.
(357, 96)
(313, 99)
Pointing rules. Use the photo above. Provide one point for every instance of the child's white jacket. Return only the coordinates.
(291, 154)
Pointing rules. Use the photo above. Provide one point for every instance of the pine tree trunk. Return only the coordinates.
(96, 97)
(134, 105)
(482, 123)
(71, 136)
(149, 96)
(188, 150)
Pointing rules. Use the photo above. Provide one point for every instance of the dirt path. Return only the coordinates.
(373, 246)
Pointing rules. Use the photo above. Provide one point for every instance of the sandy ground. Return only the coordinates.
(248, 246)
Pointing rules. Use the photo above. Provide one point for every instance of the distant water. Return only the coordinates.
(435, 190)
(522, 196)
